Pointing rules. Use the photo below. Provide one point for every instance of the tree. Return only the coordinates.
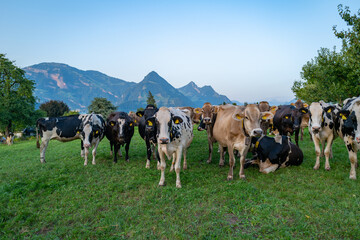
(17, 103)
(54, 108)
(101, 106)
(71, 112)
(333, 76)
(151, 99)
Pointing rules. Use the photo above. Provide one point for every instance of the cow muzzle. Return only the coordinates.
(315, 129)
(256, 132)
(164, 141)
(207, 120)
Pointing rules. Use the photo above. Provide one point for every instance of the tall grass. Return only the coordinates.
(64, 199)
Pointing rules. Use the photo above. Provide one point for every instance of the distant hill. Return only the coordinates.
(200, 95)
(77, 88)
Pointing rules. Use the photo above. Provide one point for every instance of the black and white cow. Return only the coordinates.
(174, 136)
(287, 119)
(89, 128)
(119, 131)
(148, 133)
(348, 128)
(322, 129)
(274, 153)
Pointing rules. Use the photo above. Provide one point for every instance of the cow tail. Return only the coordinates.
(37, 136)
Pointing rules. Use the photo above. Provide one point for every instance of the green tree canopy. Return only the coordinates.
(17, 103)
(151, 99)
(334, 76)
(54, 108)
(101, 106)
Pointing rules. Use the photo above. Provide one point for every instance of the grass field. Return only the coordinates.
(63, 199)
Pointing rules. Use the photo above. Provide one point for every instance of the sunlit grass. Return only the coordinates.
(64, 199)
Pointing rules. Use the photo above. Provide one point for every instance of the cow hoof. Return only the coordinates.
(221, 164)
(327, 168)
(110, 153)
(208, 161)
(147, 164)
(316, 168)
(352, 177)
(178, 185)
(242, 177)
(229, 178)
(128, 160)
(185, 167)
(93, 163)
(85, 164)
(162, 184)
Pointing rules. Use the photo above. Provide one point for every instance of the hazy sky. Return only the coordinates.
(247, 50)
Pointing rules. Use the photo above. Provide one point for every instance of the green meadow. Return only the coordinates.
(62, 199)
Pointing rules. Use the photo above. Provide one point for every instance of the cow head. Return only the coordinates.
(91, 127)
(251, 118)
(296, 116)
(197, 117)
(167, 125)
(148, 114)
(135, 118)
(317, 114)
(351, 121)
(120, 128)
(208, 112)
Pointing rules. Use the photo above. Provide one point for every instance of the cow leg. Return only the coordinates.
(111, 148)
(242, 162)
(173, 162)
(322, 148)
(317, 152)
(148, 154)
(116, 149)
(43, 146)
(353, 162)
(162, 168)
(185, 163)
(222, 154)
(127, 146)
(210, 149)
(297, 137)
(231, 163)
(86, 156)
(82, 153)
(94, 151)
(328, 151)
(301, 134)
(267, 167)
(177, 167)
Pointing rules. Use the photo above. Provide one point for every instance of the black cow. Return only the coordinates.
(347, 126)
(119, 131)
(287, 119)
(87, 127)
(275, 153)
(148, 133)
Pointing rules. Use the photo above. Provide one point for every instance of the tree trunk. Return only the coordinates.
(8, 129)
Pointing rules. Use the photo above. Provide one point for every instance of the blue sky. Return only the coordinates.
(248, 50)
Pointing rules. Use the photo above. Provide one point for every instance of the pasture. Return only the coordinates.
(63, 199)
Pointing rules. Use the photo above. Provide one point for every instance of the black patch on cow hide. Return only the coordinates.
(349, 147)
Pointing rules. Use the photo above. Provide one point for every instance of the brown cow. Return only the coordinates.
(208, 114)
(195, 114)
(234, 129)
(134, 117)
(265, 123)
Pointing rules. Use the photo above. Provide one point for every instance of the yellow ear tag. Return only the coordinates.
(77, 132)
(177, 121)
(256, 144)
(96, 132)
(238, 116)
(140, 115)
(343, 117)
(197, 111)
(130, 124)
(329, 111)
(112, 124)
(264, 117)
(287, 117)
(135, 120)
(150, 123)
(305, 111)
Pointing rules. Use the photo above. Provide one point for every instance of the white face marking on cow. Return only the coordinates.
(252, 120)
(87, 130)
(163, 117)
(121, 126)
(316, 116)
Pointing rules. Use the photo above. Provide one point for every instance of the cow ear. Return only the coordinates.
(267, 115)
(177, 120)
(197, 110)
(303, 110)
(131, 124)
(292, 104)
(306, 105)
(140, 113)
(238, 116)
(329, 109)
(343, 114)
(215, 109)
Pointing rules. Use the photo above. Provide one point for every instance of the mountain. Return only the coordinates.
(77, 88)
(204, 94)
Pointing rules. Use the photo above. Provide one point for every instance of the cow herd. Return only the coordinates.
(238, 130)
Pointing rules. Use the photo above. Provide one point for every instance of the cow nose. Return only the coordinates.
(296, 127)
(316, 129)
(164, 140)
(207, 120)
(358, 140)
(257, 132)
